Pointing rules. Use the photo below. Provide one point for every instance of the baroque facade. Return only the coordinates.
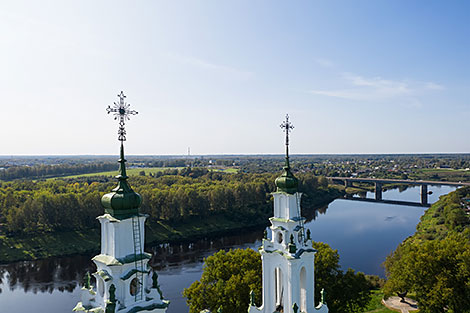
(125, 283)
(288, 256)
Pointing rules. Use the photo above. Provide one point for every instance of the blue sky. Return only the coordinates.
(219, 76)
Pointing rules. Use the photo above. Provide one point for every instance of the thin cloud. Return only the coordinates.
(325, 63)
(377, 88)
(211, 66)
(434, 86)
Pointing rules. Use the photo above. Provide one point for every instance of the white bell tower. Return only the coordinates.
(287, 257)
(125, 283)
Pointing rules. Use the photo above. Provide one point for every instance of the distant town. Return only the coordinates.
(442, 167)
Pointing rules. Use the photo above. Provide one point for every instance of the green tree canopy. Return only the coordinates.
(226, 281)
(345, 292)
(434, 263)
(228, 277)
(437, 271)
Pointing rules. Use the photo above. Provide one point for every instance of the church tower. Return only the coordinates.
(125, 282)
(287, 257)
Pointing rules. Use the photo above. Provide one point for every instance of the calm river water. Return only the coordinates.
(364, 234)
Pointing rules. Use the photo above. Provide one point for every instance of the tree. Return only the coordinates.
(349, 293)
(345, 292)
(326, 269)
(228, 278)
(437, 271)
(226, 281)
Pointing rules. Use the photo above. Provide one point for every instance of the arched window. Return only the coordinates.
(278, 289)
(134, 287)
(303, 290)
(279, 237)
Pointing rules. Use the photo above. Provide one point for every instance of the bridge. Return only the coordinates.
(347, 181)
(396, 202)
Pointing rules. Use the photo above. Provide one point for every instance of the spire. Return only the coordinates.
(287, 181)
(122, 202)
(287, 127)
(122, 165)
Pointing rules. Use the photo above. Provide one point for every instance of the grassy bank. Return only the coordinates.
(443, 217)
(375, 304)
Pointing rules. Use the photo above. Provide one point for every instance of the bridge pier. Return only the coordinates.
(378, 191)
(424, 194)
(347, 183)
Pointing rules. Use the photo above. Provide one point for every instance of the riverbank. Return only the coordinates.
(433, 263)
(24, 248)
(449, 214)
(57, 244)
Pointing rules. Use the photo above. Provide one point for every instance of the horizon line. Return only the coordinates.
(234, 154)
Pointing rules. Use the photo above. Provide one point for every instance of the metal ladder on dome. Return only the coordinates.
(301, 221)
(139, 264)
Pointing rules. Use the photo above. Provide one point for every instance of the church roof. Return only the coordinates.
(287, 182)
(122, 202)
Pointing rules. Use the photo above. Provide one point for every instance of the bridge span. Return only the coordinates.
(379, 182)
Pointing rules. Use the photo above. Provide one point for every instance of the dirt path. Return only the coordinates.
(394, 303)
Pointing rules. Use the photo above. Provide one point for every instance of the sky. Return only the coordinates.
(219, 76)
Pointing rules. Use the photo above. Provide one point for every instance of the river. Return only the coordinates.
(363, 232)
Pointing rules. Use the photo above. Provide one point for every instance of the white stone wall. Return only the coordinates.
(117, 235)
(276, 255)
(286, 205)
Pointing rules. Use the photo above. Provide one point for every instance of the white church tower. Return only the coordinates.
(125, 283)
(288, 257)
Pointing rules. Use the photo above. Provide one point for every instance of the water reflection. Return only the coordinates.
(173, 256)
(363, 233)
(47, 275)
(178, 266)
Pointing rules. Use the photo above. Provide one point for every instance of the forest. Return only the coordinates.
(28, 206)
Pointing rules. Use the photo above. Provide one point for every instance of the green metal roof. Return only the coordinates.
(287, 182)
(122, 202)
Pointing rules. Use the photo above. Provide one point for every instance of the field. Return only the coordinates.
(441, 174)
(130, 171)
(134, 171)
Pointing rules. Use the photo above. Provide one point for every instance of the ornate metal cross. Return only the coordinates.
(287, 127)
(121, 112)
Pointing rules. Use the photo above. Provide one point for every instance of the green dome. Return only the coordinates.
(287, 182)
(122, 202)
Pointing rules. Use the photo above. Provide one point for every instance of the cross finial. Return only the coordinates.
(287, 127)
(121, 112)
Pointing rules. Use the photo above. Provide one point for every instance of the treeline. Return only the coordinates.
(193, 162)
(45, 171)
(58, 205)
(434, 263)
